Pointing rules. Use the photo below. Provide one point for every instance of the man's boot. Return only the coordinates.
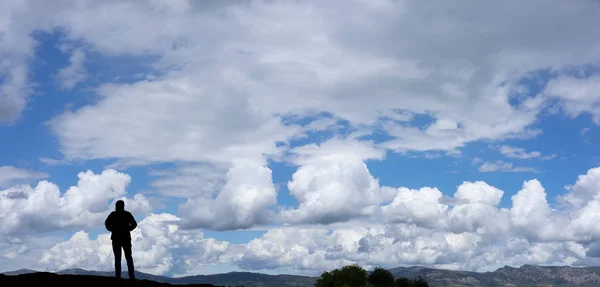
(131, 270)
(118, 270)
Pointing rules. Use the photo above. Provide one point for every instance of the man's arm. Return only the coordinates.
(132, 222)
(108, 223)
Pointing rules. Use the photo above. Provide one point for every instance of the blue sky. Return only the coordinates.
(309, 129)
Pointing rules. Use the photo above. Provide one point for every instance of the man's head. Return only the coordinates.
(120, 205)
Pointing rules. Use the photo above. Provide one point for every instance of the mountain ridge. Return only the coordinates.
(524, 276)
(63, 280)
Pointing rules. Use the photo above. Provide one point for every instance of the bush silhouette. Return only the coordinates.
(381, 278)
(405, 282)
(356, 276)
(350, 275)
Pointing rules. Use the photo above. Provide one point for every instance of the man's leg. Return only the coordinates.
(129, 258)
(117, 251)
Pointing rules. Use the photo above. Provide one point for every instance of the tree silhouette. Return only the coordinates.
(327, 279)
(356, 276)
(349, 275)
(381, 277)
(420, 282)
(405, 282)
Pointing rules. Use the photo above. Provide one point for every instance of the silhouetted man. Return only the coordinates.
(120, 222)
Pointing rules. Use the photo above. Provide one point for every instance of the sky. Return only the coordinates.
(300, 136)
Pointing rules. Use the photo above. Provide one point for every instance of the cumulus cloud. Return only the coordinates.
(23, 252)
(530, 209)
(300, 248)
(476, 211)
(10, 175)
(241, 203)
(225, 102)
(584, 190)
(333, 191)
(42, 208)
(230, 106)
(421, 207)
(333, 183)
(159, 247)
(470, 231)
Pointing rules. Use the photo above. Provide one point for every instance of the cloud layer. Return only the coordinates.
(27, 209)
(469, 230)
(10, 175)
(225, 89)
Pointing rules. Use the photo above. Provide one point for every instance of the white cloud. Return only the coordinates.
(470, 232)
(23, 252)
(584, 190)
(251, 71)
(227, 107)
(189, 180)
(333, 183)
(300, 248)
(159, 247)
(27, 209)
(222, 102)
(209, 134)
(321, 124)
(74, 73)
(421, 207)
(15, 48)
(475, 210)
(316, 249)
(335, 149)
(502, 166)
(333, 191)
(241, 203)
(532, 212)
(521, 153)
(576, 95)
(478, 192)
(10, 175)
(20, 19)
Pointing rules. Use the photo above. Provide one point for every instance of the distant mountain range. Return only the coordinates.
(247, 279)
(35, 279)
(524, 276)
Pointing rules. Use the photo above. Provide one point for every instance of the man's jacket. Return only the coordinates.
(120, 223)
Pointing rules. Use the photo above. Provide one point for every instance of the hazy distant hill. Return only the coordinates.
(19, 272)
(524, 276)
(57, 280)
(138, 275)
(248, 279)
